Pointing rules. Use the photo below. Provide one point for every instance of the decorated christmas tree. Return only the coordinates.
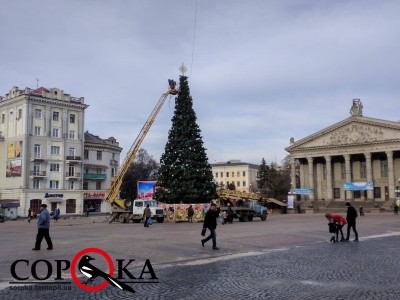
(184, 174)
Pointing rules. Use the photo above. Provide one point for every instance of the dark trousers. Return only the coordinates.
(349, 226)
(145, 222)
(43, 233)
(339, 228)
(213, 236)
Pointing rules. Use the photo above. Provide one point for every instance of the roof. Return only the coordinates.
(9, 203)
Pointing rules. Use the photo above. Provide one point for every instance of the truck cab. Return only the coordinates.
(138, 207)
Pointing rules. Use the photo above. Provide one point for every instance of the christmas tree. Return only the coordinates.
(184, 174)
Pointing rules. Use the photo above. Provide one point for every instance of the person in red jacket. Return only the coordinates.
(339, 222)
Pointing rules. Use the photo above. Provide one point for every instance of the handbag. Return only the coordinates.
(203, 231)
(150, 221)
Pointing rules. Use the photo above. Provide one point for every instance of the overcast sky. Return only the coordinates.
(260, 72)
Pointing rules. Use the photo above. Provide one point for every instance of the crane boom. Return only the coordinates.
(113, 191)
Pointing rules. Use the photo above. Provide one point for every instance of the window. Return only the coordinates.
(72, 134)
(112, 172)
(85, 185)
(72, 118)
(86, 154)
(384, 168)
(36, 169)
(216, 174)
(38, 113)
(222, 174)
(233, 174)
(70, 206)
(363, 169)
(357, 194)
(54, 167)
(71, 185)
(227, 174)
(113, 156)
(3, 118)
(238, 173)
(37, 130)
(99, 155)
(98, 171)
(55, 150)
(71, 171)
(377, 192)
(244, 173)
(336, 193)
(71, 152)
(55, 115)
(19, 113)
(98, 185)
(37, 151)
(238, 183)
(55, 132)
(244, 183)
(36, 184)
(54, 184)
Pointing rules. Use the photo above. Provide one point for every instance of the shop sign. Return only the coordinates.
(48, 195)
(94, 195)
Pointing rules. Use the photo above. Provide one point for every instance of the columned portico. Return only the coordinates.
(360, 151)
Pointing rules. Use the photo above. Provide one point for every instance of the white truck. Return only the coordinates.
(135, 212)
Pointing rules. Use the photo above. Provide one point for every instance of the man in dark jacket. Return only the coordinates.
(351, 221)
(210, 222)
(43, 225)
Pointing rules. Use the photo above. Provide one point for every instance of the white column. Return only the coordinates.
(311, 175)
(389, 155)
(368, 165)
(329, 189)
(349, 194)
(293, 172)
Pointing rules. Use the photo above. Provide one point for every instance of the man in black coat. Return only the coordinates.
(351, 221)
(210, 222)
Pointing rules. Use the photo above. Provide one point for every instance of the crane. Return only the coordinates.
(116, 182)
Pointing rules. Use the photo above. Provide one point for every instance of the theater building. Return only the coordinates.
(356, 159)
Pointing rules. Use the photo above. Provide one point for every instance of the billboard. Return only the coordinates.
(358, 186)
(14, 149)
(146, 189)
(14, 168)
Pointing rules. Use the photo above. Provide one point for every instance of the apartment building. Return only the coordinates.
(100, 165)
(243, 175)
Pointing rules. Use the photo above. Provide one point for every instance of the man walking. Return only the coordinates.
(43, 225)
(351, 221)
(147, 215)
(210, 222)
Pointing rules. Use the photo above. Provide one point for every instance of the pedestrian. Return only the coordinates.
(298, 207)
(396, 209)
(210, 222)
(230, 214)
(190, 213)
(29, 214)
(339, 223)
(43, 225)
(224, 217)
(351, 221)
(147, 215)
(361, 210)
(56, 214)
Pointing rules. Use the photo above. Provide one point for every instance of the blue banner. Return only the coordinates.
(358, 186)
(302, 191)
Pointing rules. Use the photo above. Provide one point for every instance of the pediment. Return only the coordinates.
(352, 131)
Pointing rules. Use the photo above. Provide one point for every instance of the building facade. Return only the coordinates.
(357, 159)
(100, 165)
(42, 151)
(243, 175)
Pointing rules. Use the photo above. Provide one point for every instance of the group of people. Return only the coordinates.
(337, 222)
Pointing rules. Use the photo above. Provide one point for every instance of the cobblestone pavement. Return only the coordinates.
(287, 257)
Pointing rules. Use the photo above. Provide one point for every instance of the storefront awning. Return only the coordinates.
(7, 203)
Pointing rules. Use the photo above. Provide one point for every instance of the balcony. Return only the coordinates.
(114, 163)
(73, 159)
(94, 176)
(37, 174)
(72, 176)
(37, 156)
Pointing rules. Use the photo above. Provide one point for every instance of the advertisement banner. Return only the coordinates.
(146, 189)
(178, 212)
(358, 186)
(14, 168)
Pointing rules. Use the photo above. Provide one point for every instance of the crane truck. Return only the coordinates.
(125, 210)
(241, 205)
